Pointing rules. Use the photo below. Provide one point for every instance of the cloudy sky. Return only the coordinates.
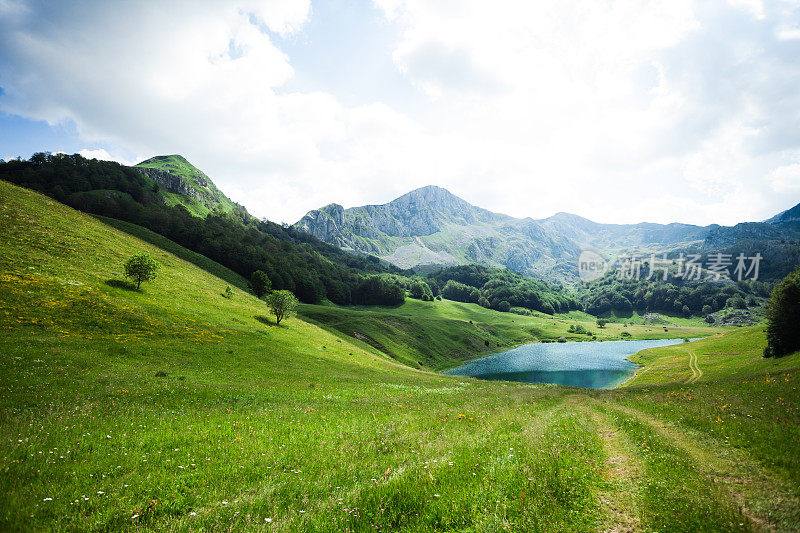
(619, 111)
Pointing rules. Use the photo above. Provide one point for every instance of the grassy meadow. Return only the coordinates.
(175, 408)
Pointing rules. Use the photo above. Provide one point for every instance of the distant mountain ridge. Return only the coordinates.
(430, 227)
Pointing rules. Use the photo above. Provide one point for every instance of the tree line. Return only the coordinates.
(674, 296)
(502, 290)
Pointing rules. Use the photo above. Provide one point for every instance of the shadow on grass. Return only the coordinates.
(122, 284)
(266, 321)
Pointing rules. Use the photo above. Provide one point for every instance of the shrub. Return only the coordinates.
(421, 291)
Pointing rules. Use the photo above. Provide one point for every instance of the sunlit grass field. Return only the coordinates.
(175, 408)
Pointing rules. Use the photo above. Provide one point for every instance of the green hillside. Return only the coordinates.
(201, 196)
(175, 408)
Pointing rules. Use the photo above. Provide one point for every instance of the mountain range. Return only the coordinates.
(431, 227)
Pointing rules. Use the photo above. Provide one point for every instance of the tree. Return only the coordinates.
(141, 267)
(282, 304)
(260, 283)
(601, 323)
(707, 310)
(504, 306)
(783, 316)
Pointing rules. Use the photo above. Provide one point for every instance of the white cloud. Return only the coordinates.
(103, 155)
(785, 179)
(621, 111)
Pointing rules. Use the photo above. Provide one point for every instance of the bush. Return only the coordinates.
(783, 317)
(421, 291)
(504, 307)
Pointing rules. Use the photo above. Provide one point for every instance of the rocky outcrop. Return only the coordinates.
(326, 224)
(178, 185)
(724, 236)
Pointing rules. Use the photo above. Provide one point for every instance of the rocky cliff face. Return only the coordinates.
(431, 226)
(173, 182)
(176, 175)
(326, 224)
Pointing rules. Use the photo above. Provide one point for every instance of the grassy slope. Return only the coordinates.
(723, 391)
(209, 265)
(293, 424)
(439, 334)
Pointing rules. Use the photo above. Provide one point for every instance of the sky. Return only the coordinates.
(618, 111)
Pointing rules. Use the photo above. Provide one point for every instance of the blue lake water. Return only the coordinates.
(593, 365)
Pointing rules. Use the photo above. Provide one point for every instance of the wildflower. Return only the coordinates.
(268, 520)
(48, 499)
(134, 517)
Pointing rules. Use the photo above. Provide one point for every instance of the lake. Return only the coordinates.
(593, 365)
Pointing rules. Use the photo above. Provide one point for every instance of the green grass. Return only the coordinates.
(209, 265)
(734, 353)
(174, 408)
(443, 334)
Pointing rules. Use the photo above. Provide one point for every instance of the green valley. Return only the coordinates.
(177, 408)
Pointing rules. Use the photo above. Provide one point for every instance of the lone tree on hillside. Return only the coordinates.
(282, 304)
(783, 316)
(141, 267)
(260, 283)
(601, 323)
